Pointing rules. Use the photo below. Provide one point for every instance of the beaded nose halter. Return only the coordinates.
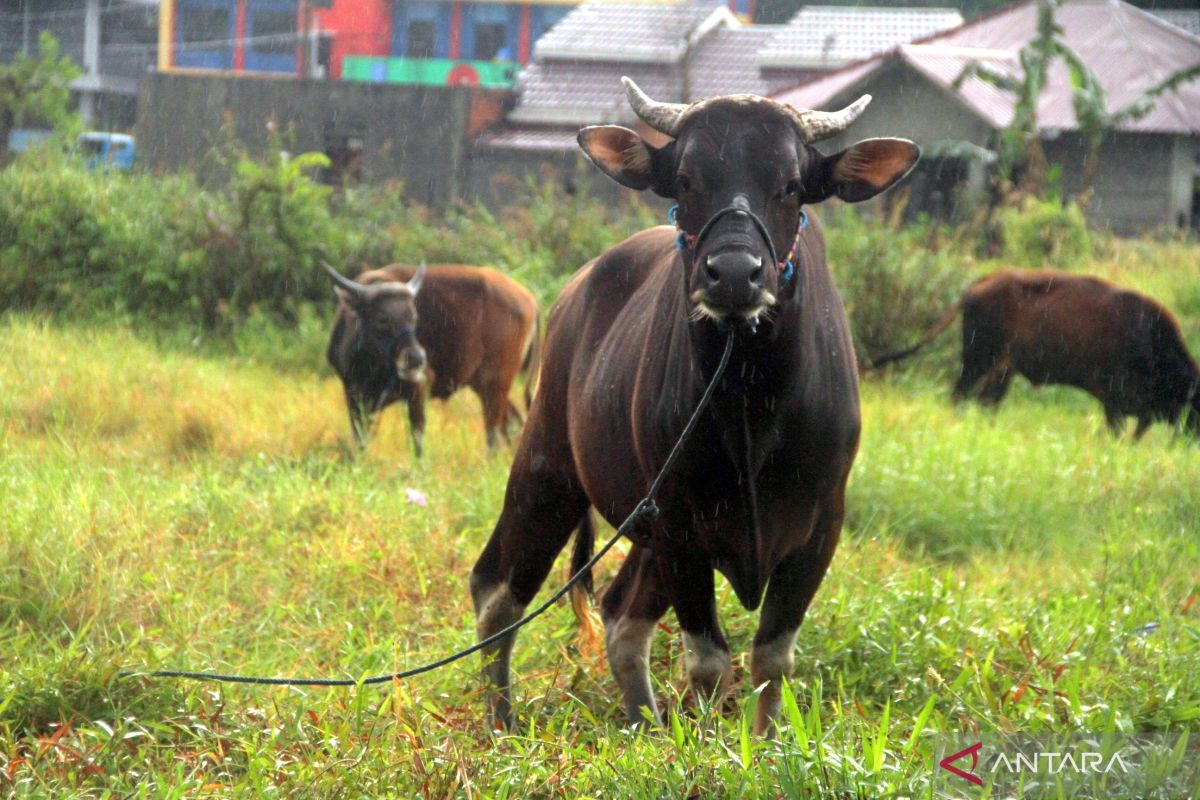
(686, 242)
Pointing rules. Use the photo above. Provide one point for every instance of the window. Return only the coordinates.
(489, 41)
(274, 32)
(422, 37)
(202, 24)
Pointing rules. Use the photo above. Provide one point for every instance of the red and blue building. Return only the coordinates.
(271, 35)
(282, 36)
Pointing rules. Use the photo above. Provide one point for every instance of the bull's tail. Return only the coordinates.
(533, 361)
(582, 591)
(929, 336)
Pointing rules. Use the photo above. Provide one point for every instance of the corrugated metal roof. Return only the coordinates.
(1129, 50)
(530, 138)
(1189, 20)
(829, 36)
(629, 33)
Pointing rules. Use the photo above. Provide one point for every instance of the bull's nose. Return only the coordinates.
(414, 358)
(733, 277)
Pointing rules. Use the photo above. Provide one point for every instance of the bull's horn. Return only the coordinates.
(817, 125)
(414, 283)
(355, 288)
(663, 117)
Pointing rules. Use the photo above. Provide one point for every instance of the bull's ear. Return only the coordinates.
(863, 170)
(620, 154)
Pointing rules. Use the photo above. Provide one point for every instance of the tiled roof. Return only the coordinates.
(628, 32)
(1129, 50)
(725, 62)
(588, 93)
(829, 36)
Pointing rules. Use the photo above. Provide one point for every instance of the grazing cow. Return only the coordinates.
(758, 491)
(1122, 347)
(455, 325)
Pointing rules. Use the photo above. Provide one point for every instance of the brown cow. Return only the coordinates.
(758, 491)
(1122, 347)
(466, 326)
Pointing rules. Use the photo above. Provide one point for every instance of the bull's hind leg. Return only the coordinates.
(791, 589)
(540, 511)
(495, 411)
(982, 351)
(995, 386)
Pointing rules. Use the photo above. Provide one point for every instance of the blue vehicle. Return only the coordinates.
(103, 150)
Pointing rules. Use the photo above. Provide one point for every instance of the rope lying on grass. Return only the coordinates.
(646, 509)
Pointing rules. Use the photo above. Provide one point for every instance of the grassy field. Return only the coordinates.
(1017, 570)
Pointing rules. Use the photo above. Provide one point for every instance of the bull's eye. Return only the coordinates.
(682, 184)
(790, 189)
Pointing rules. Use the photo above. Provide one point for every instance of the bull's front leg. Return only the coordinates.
(416, 416)
(631, 608)
(791, 589)
(359, 410)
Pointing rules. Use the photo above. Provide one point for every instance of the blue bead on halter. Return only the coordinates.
(789, 269)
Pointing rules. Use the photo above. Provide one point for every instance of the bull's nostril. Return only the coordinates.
(756, 276)
(711, 273)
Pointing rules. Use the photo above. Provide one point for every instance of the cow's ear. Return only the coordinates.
(863, 170)
(620, 154)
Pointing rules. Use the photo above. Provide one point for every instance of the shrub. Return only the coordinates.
(1045, 233)
(895, 282)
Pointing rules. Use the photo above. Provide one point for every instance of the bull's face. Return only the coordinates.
(387, 313)
(739, 169)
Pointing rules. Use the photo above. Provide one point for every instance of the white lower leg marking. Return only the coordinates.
(773, 659)
(707, 663)
(497, 611)
(628, 641)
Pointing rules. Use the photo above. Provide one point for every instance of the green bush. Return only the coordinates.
(1045, 233)
(895, 282)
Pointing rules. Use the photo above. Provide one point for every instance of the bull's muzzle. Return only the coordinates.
(733, 279)
(411, 363)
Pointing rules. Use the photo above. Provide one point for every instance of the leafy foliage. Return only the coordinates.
(1045, 234)
(895, 281)
(35, 89)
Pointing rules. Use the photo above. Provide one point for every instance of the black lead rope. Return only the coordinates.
(647, 508)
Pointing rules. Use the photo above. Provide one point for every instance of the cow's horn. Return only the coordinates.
(817, 125)
(355, 288)
(663, 117)
(414, 283)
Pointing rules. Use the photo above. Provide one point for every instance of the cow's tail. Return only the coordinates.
(582, 591)
(533, 361)
(929, 336)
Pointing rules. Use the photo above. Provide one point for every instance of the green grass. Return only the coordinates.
(165, 506)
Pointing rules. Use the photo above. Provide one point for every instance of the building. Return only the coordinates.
(1150, 169)
(405, 41)
(113, 43)
(677, 53)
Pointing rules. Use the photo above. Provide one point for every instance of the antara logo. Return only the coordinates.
(947, 763)
(1041, 762)
(1054, 762)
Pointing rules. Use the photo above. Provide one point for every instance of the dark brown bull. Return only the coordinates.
(447, 326)
(758, 491)
(1122, 347)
